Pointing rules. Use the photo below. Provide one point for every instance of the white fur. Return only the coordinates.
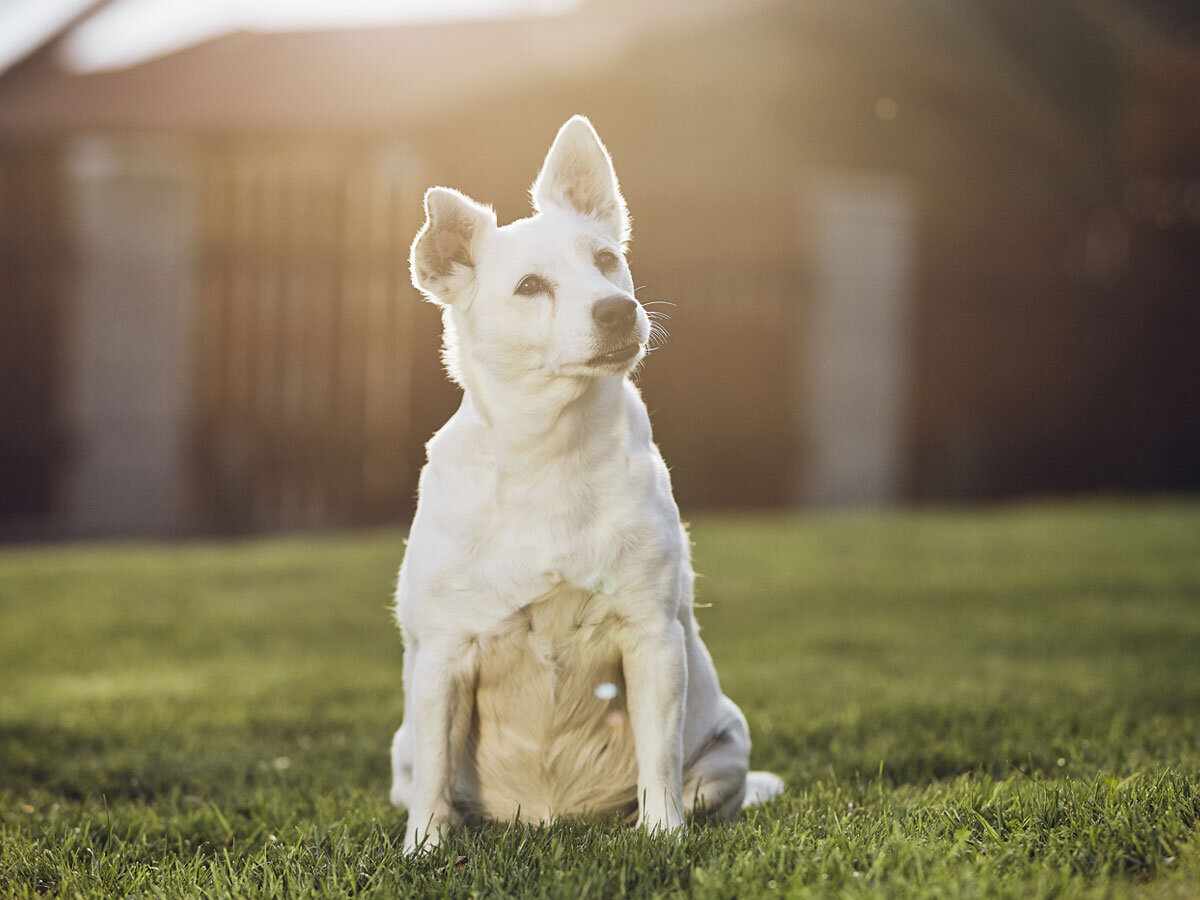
(547, 559)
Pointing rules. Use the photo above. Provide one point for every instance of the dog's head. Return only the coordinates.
(549, 295)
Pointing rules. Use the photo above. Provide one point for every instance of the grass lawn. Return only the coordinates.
(1003, 703)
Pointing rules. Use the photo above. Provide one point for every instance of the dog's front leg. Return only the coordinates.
(655, 668)
(442, 684)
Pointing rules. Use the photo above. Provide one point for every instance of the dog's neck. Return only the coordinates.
(536, 420)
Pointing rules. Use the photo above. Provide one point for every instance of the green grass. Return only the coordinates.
(990, 704)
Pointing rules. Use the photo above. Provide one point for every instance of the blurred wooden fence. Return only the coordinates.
(33, 250)
(304, 330)
(311, 376)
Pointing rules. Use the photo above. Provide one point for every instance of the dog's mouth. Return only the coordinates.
(620, 355)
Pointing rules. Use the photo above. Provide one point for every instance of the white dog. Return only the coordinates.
(552, 665)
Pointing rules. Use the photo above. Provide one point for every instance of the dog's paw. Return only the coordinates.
(662, 817)
(424, 833)
(662, 827)
(761, 787)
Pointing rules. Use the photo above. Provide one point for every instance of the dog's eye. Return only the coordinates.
(605, 260)
(531, 285)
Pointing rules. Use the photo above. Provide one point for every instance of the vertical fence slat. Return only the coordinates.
(304, 393)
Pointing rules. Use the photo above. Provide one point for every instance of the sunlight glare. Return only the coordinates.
(24, 26)
(129, 32)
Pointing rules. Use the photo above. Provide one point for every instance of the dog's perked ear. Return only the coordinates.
(443, 254)
(578, 175)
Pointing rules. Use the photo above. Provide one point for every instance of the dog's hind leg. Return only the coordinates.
(716, 779)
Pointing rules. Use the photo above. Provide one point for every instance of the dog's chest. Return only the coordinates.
(554, 634)
(550, 733)
(499, 567)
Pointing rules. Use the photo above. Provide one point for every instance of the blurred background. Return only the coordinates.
(921, 251)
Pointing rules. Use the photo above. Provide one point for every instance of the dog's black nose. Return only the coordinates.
(615, 313)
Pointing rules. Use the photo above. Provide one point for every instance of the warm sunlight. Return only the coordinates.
(27, 23)
(599, 448)
(129, 32)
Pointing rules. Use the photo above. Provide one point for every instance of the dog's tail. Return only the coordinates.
(761, 787)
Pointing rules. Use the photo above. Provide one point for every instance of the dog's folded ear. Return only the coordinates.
(443, 254)
(578, 175)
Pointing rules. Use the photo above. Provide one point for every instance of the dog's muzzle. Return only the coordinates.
(620, 355)
(616, 324)
(615, 315)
